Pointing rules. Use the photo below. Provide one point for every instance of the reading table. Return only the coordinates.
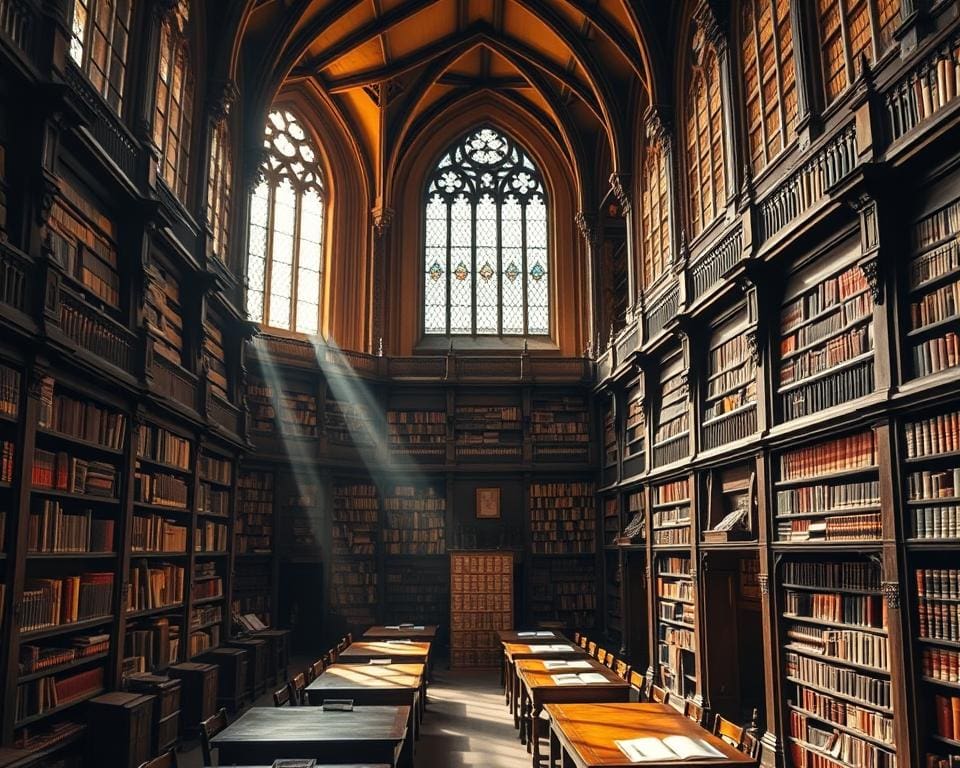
(400, 651)
(532, 649)
(424, 633)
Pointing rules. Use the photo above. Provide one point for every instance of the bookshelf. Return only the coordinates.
(635, 529)
(302, 517)
(826, 338)
(836, 663)
(418, 434)
(671, 427)
(612, 520)
(676, 625)
(671, 513)
(560, 427)
(613, 597)
(215, 358)
(730, 391)
(933, 286)
(164, 315)
(611, 446)
(481, 602)
(254, 582)
(563, 589)
(348, 423)
(355, 517)
(417, 591)
(414, 520)
(289, 412)
(829, 492)
(635, 425)
(562, 518)
(487, 429)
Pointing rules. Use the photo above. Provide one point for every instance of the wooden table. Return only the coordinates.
(363, 652)
(265, 734)
(583, 735)
(426, 633)
(373, 684)
(557, 649)
(539, 687)
(522, 636)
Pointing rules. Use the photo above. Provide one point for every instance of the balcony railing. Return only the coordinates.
(95, 332)
(17, 24)
(716, 262)
(172, 381)
(662, 311)
(14, 267)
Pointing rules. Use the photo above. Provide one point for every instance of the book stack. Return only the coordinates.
(152, 644)
(80, 419)
(254, 524)
(62, 472)
(415, 521)
(562, 518)
(35, 658)
(417, 433)
(671, 513)
(213, 501)
(160, 489)
(153, 586)
(53, 602)
(50, 529)
(934, 285)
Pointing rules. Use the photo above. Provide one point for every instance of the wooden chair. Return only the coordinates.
(592, 649)
(610, 660)
(750, 745)
(576, 638)
(308, 675)
(282, 696)
(349, 638)
(659, 695)
(296, 685)
(583, 642)
(637, 684)
(317, 668)
(729, 731)
(601, 655)
(208, 729)
(622, 669)
(341, 647)
(331, 656)
(166, 760)
(693, 711)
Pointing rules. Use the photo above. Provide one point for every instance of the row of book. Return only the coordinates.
(152, 644)
(213, 501)
(207, 588)
(409, 498)
(938, 226)
(35, 658)
(678, 515)
(874, 691)
(160, 489)
(842, 454)
(161, 445)
(834, 528)
(82, 419)
(853, 311)
(947, 710)
(849, 383)
(814, 747)
(940, 304)
(215, 470)
(938, 620)
(204, 615)
(938, 583)
(865, 648)
(837, 350)
(933, 264)
(933, 436)
(941, 664)
(50, 529)
(62, 472)
(203, 640)
(825, 294)
(154, 586)
(936, 522)
(155, 533)
(819, 498)
(9, 385)
(929, 484)
(68, 600)
(854, 610)
(832, 575)
(936, 354)
(48, 693)
(846, 714)
(254, 520)
(672, 492)
(210, 537)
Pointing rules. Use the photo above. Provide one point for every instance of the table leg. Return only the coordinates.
(521, 714)
(535, 734)
(554, 747)
(406, 752)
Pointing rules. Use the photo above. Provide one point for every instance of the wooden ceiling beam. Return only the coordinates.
(470, 81)
(367, 32)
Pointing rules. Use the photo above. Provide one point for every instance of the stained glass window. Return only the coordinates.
(706, 176)
(99, 34)
(486, 265)
(769, 76)
(173, 118)
(219, 182)
(287, 220)
(849, 30)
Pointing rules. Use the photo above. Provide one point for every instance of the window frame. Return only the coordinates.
(95, 10)
(655, 161)
(499, 200)
(705, 60)
(220, 189)
(175, 30)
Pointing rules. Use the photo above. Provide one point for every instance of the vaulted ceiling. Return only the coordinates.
(387, 66)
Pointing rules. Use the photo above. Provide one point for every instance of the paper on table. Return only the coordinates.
(688, 748)
(649, 749)
(570, 679)
(397, 642)
(548, 648)
(592, 677)
(584, 678)
(381, 661)
(392, 626)
(566, 664)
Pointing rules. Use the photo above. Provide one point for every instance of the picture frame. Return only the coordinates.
(488, 503)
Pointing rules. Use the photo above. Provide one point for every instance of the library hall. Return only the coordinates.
(479, 383)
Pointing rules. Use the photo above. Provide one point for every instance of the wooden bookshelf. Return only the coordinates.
(829, 492)
(730, 393)
(414, 520)
(613, 597)
(671, 424)
(671, 515)
(288, 412)
(355, 518)
(560, 427)
(611, 445)
(562, 518)
(826, 338)
(933, 285)
(348, 423)
(612, 520)
(635, 526)
(487, 431)
(481, 602)
(417, 591)
(836, 662)
(418, 434)
(215, 358)
(675, 616)
(564, 589)
(164, 314)
(303, 520)
(635, 426)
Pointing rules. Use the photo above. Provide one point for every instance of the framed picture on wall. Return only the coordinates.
(488, 503)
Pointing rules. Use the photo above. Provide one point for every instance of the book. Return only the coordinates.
(669, 748)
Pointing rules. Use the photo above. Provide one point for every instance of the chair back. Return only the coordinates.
(601, 655)
(297, 684)
(729, 731)
(592, 649)
(576, 638)
(348, 638)
(282, 696)
(750, 745)
(342, 646)
(331, 656)
(308, 675)
(693, 711)
(610, 660)
(583, 642)
(208, 729)
(637, 683)
(659, 695)
(317, 668)
(166, 760)
(622, 669)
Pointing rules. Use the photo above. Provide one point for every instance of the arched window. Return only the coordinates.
(654, 207)
(486, 269)
(219, 182)
(849, 30)
(173, 117)
(769, 77)
(99, 35)
(285, 263)
(706, 176)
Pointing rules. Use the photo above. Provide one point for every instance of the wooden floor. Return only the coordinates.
(466, 724)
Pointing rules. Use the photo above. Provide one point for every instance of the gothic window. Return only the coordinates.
(287, 218)
(99, 34)
(654, 209)
(769, 77)
(486, 268)
(851, 30)
(706, 176)
(219, 181)
(174, 100)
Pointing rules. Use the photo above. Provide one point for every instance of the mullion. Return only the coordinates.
(449, 266)
(523, 259)
(268, 254)
(473, 273)
(295, 257)
(499, 208)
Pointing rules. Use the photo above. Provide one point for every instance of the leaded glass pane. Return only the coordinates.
(435, 268)
(487, 267)
(538, 293)
(511, 233)
(461, 266)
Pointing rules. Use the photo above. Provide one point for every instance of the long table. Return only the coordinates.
(264, 734)
(363, 652)
(425, 633)
(533, 649)
(583, 735)
(540, 686)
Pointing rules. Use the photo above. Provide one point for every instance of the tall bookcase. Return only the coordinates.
(481, 602)
(254, 528)
(355, 517)
(671, 435)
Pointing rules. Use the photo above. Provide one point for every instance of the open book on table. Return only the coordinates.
(651, 749)
(551, 664)
(583, 678)
(540, 633)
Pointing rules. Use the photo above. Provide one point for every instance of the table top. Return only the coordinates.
(418, 632)
(535, 674)
(384, 649)
(309, 725)
(523, 636)
(546, 650)
(590, 730)
(369, 677)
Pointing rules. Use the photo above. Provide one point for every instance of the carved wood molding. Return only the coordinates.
(891, 593)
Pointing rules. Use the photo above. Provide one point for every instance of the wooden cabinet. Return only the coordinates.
(119, 727)
(198, 694)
